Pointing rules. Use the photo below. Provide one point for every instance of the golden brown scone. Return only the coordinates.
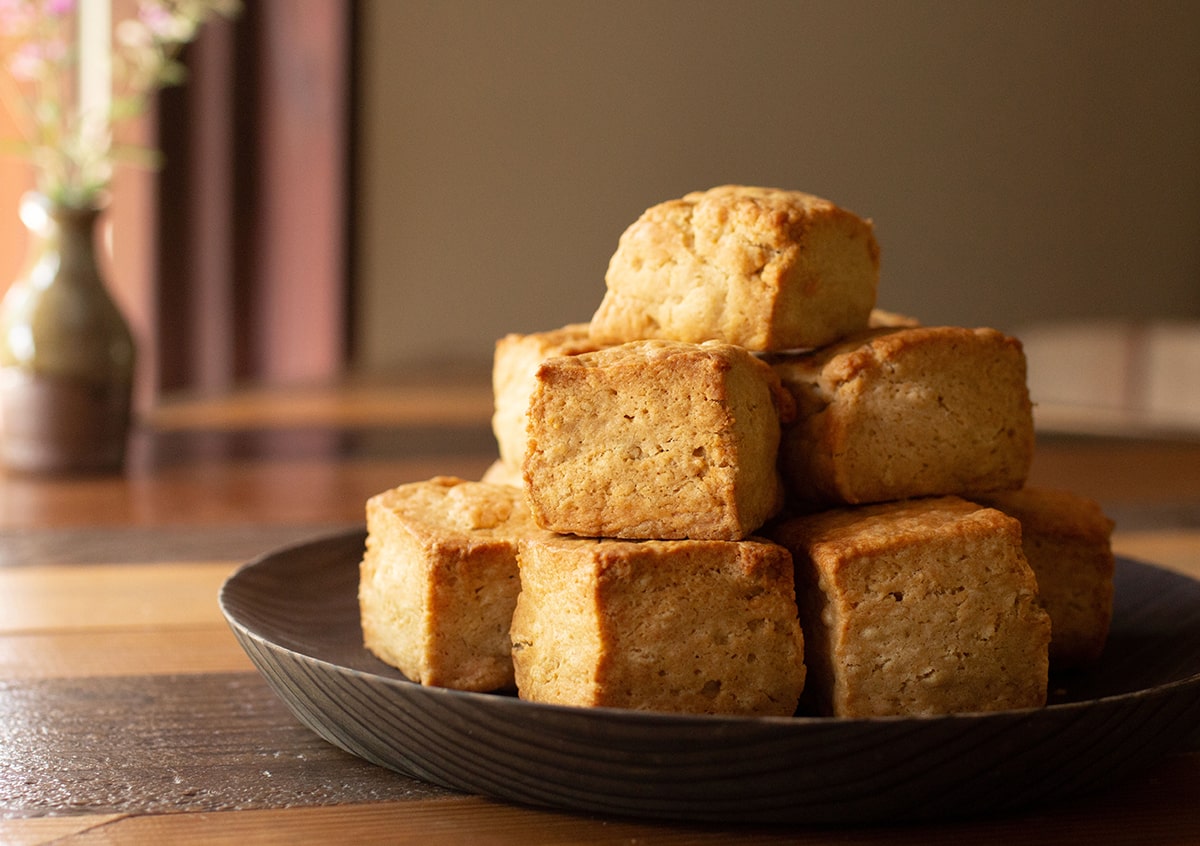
(438, 580)
(918, 607)
(705, 627)
(514, 376)
(762, 268)
(1068, 541)
(905, 412)
(655, 439)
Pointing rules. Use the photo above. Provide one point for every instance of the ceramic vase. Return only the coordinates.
(66, 351)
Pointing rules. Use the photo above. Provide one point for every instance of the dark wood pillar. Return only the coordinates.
(254, 202)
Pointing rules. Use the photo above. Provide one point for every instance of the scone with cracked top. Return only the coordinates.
(762, 268)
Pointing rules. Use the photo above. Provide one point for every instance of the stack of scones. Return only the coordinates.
(742, 488)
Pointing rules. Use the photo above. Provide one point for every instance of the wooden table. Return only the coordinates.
(129, 714)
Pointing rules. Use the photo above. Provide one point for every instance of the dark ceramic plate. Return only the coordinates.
(295, 612)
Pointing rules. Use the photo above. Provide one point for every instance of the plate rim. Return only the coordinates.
(347, 534)
(1181, 693)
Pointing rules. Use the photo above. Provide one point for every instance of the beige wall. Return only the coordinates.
(1021, 160)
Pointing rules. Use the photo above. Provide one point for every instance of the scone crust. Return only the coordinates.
(677, 626)
(438, 580)
(917, 607)
(515, 362)
(762, 268)
(655, 440)
(1067, 539)
(896, 413)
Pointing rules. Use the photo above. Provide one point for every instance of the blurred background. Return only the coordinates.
(384, 186)
(1021, 161)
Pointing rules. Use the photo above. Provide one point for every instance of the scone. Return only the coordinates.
(655, 439)
(514, 376)
(906, 412)
(758, 267)
(918, 607)
(706, 627)
(438, 580)
(1068, 541)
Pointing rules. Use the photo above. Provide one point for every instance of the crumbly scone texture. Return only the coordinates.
(918, 607)
(894, 413)
(1067, 539)
(514, 376)
(655, 440)
(706, 627)
(438, 580)
(763, 268)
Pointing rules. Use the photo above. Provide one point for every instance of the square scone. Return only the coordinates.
(515, 363)
(917, 607)
(906, 412)
(438, 581)
(1067, 539)
(703, 627)
(762, 268)
(655, 439)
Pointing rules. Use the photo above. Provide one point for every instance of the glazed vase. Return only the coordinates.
(66, 351)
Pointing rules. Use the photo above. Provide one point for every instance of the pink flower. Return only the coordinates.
(155, 16)
(164, 23)
(73, 160)
(26, 63)
(17, 17)
(30, 61)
